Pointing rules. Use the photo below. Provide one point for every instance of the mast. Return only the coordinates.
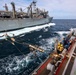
(6, 7)
(28, 11)
(32, 6)
(37, 10)
(31, 11)
(13, 8)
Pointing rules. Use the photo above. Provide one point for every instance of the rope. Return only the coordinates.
(20, 5)
(31, 46)
(13, 40)
(19, 50)
(22, 43)
(15, 46)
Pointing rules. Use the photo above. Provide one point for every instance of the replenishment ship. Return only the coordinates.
(13, 20)
(61, 62)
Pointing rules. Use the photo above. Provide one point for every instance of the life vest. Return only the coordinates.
(60, 47)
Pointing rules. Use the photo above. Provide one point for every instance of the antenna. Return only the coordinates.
(34, 2)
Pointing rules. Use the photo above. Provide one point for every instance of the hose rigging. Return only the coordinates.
(13, 41)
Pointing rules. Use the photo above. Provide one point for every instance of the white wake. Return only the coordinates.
(25, 30)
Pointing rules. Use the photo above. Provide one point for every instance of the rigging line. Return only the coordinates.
(15, 46)
(22, 9)
(20, 5)
(21, 43)
(19, 50)
(32, 46)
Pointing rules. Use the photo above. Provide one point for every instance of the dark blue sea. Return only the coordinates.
(23, 62)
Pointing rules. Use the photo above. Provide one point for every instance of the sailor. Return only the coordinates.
(66, 41)
(60, 47)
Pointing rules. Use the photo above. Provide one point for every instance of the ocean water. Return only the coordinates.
(23, 62)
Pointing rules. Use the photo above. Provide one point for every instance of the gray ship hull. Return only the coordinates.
(14, 24)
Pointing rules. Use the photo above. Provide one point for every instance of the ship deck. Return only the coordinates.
(42, 69)
(66, 67)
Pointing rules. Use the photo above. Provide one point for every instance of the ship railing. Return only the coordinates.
(70, 55)
(63, 55)
(35, 71)
(70, 48)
